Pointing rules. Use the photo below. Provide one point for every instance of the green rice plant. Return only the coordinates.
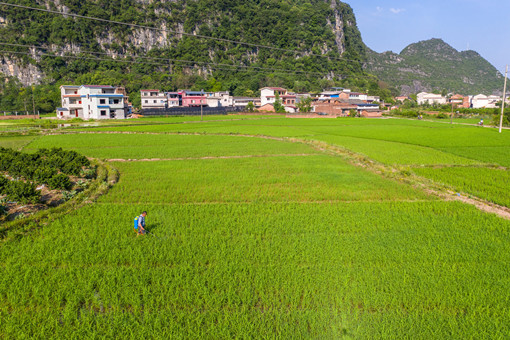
(168, 146)
(259, 270)
(487, 183)
(272, 179)
(295, 244)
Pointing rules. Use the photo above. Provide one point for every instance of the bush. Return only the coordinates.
(23, 192)
(44, 174)
(60, 181)
(72, 168)
(4, 182)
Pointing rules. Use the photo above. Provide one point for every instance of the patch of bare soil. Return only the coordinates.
(205, 158)
(49, 198)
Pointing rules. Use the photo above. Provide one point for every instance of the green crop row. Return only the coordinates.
(274, 179)
(486, 183)
(369, 270)
(141, 146)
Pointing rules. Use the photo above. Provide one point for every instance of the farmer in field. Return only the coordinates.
(140, 223)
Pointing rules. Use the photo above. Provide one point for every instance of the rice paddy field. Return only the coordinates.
(267, 227)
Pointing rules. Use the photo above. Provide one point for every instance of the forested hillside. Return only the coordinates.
(318, 29)
(433, 65)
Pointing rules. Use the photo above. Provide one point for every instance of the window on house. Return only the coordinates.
(115, 101)
(146, 102)
(193, 101)
(103, 112)
(102, 101)
(155, 101)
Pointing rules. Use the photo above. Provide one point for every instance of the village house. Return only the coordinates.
(219, 99)
(430, 98)
(153, 99)
(402, 99)
(459, 101)
(174, 99)
(267, 108)
(373, 99)
(342, 107)
(243, 101)
(268, 96)
(193, 99)
(333, 107)
(92, 102)
(482, 101)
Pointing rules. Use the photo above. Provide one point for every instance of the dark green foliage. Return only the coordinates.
(46, 166)
(305, 105)
(303, 25)
(3, 183)
(278, 106)
(433, 65)
(44, 174)
(60, 181)
(23, 192)
(496, 120)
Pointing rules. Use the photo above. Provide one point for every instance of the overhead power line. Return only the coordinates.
(176, 32)
(233, 67)
(170, 60)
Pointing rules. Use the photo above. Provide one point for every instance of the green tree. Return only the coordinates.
(250, 107)
(278, 106)
(305, 105)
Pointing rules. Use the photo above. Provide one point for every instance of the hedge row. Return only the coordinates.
(51, 167)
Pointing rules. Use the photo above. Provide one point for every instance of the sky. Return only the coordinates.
(479, 25)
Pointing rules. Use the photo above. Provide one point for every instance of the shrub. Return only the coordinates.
(72, 168)
(44, 174)
(4, 182)
(60, 181)
(23, 192)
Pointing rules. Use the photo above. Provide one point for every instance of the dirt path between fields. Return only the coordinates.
(483, 205)
(208, 157)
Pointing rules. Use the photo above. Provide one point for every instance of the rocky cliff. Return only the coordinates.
(325, 27)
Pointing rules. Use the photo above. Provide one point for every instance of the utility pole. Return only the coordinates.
(451, 116)
(33, 100)
(503, 102)
(202, 108)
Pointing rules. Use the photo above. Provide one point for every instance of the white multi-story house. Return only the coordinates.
(268, 96)
(482, 101)
(153, 99)
(219, 99)
(71, 102)
(91, 102)
(430, 98)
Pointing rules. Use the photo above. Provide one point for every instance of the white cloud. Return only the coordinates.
(379, 9)
(397, 10)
